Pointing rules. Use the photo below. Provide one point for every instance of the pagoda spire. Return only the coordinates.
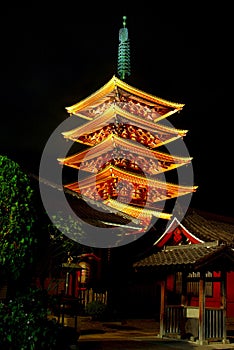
(124, 52)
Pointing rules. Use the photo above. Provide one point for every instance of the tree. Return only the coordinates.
(23, 315)
(18, 238)
(56, 246)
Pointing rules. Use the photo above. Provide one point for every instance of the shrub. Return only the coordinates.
(24, 324)
(97, 309)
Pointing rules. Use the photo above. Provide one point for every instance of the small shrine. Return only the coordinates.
(193, 262)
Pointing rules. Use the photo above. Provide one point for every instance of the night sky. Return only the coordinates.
(54, 57)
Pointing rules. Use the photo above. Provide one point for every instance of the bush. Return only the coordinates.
(24, 324)
(97, 309)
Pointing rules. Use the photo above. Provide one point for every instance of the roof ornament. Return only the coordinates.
(124, 52)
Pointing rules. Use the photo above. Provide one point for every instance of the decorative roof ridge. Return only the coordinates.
(193, 246)
(173, 224)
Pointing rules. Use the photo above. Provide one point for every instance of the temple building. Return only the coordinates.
(185, 274)
(192, 263)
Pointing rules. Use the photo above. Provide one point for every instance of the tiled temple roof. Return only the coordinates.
(217, 233)
(209, 227)
(188, 257)
(93, 212)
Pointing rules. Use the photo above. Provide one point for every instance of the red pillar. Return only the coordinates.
(202, 298)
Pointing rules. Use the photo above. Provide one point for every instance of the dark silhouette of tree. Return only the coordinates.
(18, 218)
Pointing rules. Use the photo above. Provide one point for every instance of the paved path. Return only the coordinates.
(147, 345)
(133, 334)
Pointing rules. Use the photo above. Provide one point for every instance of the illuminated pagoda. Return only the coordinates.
(121, 134)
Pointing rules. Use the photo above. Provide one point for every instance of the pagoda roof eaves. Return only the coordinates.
(93, 124)
(109, 144)
(111, 171)
(149, 96)
(110, 86)
(135, 211)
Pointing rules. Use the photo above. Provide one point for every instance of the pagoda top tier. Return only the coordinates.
(127, 97)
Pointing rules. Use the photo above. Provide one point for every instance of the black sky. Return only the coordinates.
(53, 57)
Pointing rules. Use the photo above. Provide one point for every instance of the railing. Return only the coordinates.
(213, 323)
(174, 320)
(89, 295)
(56, 286)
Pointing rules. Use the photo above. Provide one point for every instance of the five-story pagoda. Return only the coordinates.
(120, 162)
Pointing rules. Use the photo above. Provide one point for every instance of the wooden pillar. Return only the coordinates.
(184, 302)
(73, 287)
(224, 304)
(202, 299)
(184, 296)
(162, 308)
